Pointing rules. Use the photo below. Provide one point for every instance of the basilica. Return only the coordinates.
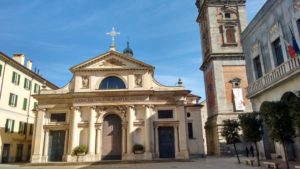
(113, 106)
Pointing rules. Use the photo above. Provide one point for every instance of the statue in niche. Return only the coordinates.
(138, 80)
(85, 82)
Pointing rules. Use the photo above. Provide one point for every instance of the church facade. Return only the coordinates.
(111, 105)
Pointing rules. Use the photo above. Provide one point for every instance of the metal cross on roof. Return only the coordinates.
(113, 33)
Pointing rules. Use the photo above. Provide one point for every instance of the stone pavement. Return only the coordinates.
(199, 163)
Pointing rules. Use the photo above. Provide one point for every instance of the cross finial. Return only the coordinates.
(113, 33)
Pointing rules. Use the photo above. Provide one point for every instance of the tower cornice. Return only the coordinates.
(221, 56)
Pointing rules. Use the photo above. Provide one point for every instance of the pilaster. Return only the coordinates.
(74, 131)
(39, 136)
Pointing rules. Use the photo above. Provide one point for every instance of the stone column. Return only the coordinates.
(130, 130)
(98, 140)
(147, 130)
(156, 148)
(177, 147)
(39, 136)
(46, 145)
(92, 131)
(124, 131)
(183, 152)
(74, 131)
(66, 144)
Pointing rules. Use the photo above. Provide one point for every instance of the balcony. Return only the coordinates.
(276, 76)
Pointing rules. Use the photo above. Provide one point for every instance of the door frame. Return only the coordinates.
(120, 137)
(173, 155)
(50, 144)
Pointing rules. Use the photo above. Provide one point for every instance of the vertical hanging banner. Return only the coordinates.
(238, 99)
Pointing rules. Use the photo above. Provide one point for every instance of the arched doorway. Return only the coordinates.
(112, 138)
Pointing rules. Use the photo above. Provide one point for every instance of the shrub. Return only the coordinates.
(138, 147)
(80, 149)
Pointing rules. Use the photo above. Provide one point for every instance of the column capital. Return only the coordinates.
(75, 108)
(92, 107)
(40, 109)
(131, 106)
(150, 106)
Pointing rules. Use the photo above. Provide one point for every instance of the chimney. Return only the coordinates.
(20, 58)
(29, 64)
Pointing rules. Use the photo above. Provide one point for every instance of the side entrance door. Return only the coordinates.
(5, 153)
(166, 142)
(56, 145)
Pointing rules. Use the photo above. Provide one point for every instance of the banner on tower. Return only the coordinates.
(238, 99)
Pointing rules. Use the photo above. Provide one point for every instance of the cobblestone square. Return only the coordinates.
(199, 163)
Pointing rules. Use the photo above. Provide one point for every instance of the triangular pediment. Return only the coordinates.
(111, 60)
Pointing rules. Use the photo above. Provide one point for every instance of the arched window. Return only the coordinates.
(112, 82)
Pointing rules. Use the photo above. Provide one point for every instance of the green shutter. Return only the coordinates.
(25, 83)
(25, 80)
(13, 77)
(25, 104)
(34, 88)
(29, 84)
(0, 70)
(20, 127)
(16, 103)
(9, 101)
(13, 126)
(25, 128)
(6, 125)
(19, 77)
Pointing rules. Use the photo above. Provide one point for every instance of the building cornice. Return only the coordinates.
(110, 93)
(27, 71)
(221, 56)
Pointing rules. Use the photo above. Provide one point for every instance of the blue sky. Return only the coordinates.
(58, 34)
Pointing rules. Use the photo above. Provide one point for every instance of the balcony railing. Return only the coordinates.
(274, 77)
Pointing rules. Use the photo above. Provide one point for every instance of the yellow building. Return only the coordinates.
(17, 83)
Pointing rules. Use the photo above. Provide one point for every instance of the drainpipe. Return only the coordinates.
(28, 108)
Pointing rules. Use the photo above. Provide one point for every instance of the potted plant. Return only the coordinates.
(138, 149)
(80, 150)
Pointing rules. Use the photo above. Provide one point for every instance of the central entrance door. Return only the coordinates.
(112, 138)
(56, 145)
(166, 142)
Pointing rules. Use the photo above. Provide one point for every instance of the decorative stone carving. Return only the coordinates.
(254, 50)
(274, 32)
(85, 82)
(296, 5)
(138, 80)
(113, 62)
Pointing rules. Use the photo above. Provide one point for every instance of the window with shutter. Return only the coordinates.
(21, 127)
(16, 78)
(27, 84)
(36, 88)
(25, 104)
(9, 126)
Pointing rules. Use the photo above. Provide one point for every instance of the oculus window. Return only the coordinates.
(112, 82)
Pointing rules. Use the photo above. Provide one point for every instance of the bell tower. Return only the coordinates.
(221, 23)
